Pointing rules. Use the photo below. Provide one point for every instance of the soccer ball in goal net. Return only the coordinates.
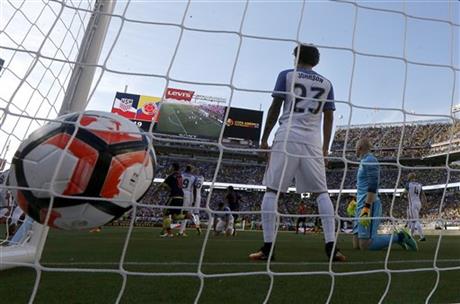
(168, 207)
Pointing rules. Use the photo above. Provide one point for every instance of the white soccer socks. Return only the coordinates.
(183, 225)
(326, 210)
(419, 229)
(196, 220)
(269, 219)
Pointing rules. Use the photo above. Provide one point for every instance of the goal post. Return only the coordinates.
(27, 243)
(25, 246)
(78, 90)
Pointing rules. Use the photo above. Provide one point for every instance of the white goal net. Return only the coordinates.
(40, 41)
(395, 67)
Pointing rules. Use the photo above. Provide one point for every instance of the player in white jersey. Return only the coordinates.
(223, 222)
(188, 182)
(199, 181)
(305, 96)
(416, 197)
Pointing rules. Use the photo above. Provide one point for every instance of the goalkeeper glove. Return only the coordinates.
(351, 209)
(364, 215)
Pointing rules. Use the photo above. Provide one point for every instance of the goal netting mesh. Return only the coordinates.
(390, 62)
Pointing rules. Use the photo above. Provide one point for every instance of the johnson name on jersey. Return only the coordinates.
(305, 93)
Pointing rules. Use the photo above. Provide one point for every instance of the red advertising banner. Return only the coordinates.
(178, 94)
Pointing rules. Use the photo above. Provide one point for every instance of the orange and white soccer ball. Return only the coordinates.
(93, 173)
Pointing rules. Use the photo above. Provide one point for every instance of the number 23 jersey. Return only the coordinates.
(306, 113)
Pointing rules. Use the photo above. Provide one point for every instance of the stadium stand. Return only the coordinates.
(421, 139)
(425, 144)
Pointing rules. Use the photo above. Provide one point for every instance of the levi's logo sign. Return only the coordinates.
(178, 94)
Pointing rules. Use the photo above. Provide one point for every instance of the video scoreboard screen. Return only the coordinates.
(184, 113)
(244, 124)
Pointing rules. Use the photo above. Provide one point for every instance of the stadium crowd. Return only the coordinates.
(253, 174)
(419, 139)
(288, 204)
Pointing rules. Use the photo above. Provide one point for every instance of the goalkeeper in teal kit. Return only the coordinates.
(365, 226)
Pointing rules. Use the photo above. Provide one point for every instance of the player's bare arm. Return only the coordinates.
(328, 121)
(270, 122)
(370, 198)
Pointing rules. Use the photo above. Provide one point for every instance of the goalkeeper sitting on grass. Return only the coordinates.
(365, 235)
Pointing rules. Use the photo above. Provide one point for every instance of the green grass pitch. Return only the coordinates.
(147, 254)
(187, 120)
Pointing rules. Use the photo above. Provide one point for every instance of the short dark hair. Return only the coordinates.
(221, 205)
(230, 188)
(175, 166)
(188, 168)
(308, 54)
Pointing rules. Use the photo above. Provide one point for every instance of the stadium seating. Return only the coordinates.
(420, 141)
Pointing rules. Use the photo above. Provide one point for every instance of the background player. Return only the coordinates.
(365, 235)
(301, 210)
(188, 184)
(303, 134)
(223, 222)
(416, 197)
(174, 183)
(233, 202)
(199, 181)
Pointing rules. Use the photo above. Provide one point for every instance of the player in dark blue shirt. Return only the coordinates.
(176, 199)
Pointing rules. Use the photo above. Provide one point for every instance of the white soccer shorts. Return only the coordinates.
(413, 212)
(221, 227)
(187, 200)
(308, 171)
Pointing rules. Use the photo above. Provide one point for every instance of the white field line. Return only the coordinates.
(245, 263)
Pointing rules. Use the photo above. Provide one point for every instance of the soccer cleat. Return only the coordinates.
(260, 256)
(338, 256)
(166, 235)
(183, 234)
(423, 239)
(408, 240)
